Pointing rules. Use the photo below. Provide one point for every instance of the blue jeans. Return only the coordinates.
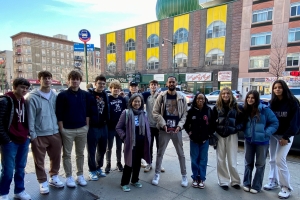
(96, 140)
(259, 154)
(13, 157)
(199, 158)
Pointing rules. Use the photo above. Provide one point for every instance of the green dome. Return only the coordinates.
(170, 8)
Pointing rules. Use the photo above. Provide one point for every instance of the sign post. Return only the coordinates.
(85, 36)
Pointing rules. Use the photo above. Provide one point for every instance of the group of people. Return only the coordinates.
(52, 122)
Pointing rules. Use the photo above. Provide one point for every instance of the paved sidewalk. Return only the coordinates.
(168, 188)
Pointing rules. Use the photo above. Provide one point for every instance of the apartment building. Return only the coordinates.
(270, 44)
(6, 70)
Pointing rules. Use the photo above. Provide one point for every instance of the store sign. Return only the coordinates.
(34, 81)
(198, 77)
(224, 75)
(270, 79)
(159, 77)
(122, 80)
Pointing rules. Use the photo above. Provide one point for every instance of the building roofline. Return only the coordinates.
(35, 34)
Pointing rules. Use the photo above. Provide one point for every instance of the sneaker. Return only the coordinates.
(4, 197)
(195, 184)
(184, 181)
(119, 167)
(70, 182)
(271, 185)
(23, 196)
(125, 188)
(237, 186)
(137, 184)
(54, 181)
(81, 181)
(100, 173)
(246, 188)
(155, 179)
(107, 168)
(201, 185)
(148, 168)
(143, 163)
(93, 176)
(284, 193)
(224, 187)
(44, 188)
(162, 169)
(253, 191)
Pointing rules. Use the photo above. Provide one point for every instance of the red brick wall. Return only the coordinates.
(195, 50)
(261, 29)
(139, 48)
(259, 6)
(164, 27)
(119, 49)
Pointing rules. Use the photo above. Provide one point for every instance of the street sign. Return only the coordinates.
(80, 47)
(130, 77)
(84, 35)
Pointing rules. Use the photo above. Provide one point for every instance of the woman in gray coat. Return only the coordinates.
(133, 128)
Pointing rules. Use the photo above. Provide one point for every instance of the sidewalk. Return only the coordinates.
(168, 188)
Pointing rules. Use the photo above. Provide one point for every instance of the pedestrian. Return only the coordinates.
(44, 133)
(286, 108)
(117, 105)
(169, 112)
(229, 121)
(199, 127)
(14, 140)
(261, 123)
(133, 128)
(72, 112)
(97, 134)
(150, 98)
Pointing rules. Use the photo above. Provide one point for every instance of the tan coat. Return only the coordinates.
(159, 109)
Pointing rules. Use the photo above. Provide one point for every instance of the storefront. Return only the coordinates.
(198, 82)
(55, 84)
(224, 79)
(123, 81)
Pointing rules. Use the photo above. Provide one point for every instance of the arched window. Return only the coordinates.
(181, 60)
(111, 48)
(214, 57)
(111, 67)
(130, 65)
(130, 45)
(181, 36)
(152, 63)
(152, 41)
(216, 29)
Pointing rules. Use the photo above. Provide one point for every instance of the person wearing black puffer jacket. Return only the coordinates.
(199, 126)
(229, 120)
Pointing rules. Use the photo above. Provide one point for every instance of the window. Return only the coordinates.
(214, 57)
(28, 59)
(52, 44)
(97, 60)
(53, 60)
(68, 63)
(295, 9)
(294, 34)
(29, 68)
(152, 63)
(180, 60)
(62, 55)
(130, 65)
(292, 59)
(111, 67)
(259, 62)
(261, 39)
(62, 62)
(152, 41)
(98, 53)
(43, 43)
(43, 52)
(61, 46)
(44, 67)
(216, 29)
(111, 48)
(262, 15)
(53, 54)
(130, 45)
(181, 36)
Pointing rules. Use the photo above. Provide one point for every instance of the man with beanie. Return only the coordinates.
(14, 140)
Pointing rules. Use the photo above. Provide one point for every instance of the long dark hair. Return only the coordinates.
(194, 104)
(286, 93)
(253, 109)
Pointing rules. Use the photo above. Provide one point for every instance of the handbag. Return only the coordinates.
(213, 141)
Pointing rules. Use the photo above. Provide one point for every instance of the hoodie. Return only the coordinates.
(42, 120)
(18, 130)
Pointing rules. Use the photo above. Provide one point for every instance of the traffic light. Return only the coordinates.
(294, 73)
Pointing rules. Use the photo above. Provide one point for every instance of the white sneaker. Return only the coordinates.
(155, 179)
(184, 182)
(271, 185)
(4, 197)
(162, 169)
(23, 196)
(70, 182)
(81, 181)
(54, 181)
(44, 188)
(284, 193)
(143, 163)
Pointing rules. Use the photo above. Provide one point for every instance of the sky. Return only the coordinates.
(68, 17)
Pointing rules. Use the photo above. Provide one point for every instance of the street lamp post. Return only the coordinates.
(173, 45)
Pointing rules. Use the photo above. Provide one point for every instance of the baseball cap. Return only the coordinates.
(133, 83)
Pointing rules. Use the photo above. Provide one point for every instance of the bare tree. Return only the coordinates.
(278, 59)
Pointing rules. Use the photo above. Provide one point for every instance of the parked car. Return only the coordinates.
(188, 96)
(213, 96)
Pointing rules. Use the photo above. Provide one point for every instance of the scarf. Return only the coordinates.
(131, 113)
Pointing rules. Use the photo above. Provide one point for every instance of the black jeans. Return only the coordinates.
(154, 134)
(110, 141)
(137, 154)
(96, 140)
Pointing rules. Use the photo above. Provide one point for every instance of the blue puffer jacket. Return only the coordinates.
(266, 126)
